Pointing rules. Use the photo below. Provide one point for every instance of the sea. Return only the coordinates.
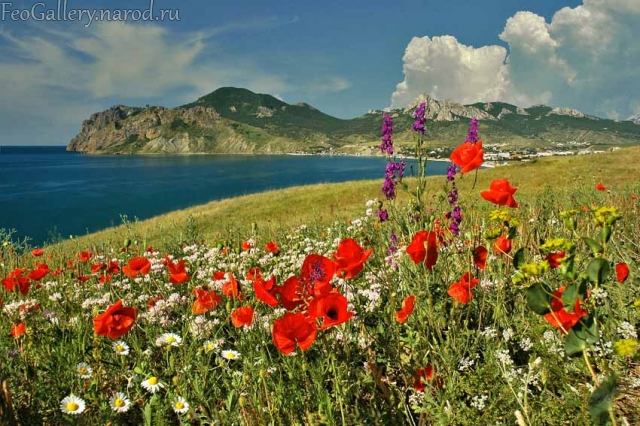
(47, 193)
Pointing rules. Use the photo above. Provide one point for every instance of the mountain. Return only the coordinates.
(235, 120)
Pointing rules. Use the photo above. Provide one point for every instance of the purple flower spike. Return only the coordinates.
(418, 125)
(472, 136)
(387, 129)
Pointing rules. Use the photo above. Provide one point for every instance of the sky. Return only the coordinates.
(344, 57)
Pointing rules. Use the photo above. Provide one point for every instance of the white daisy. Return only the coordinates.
(121, 348)
(84, 370)
(119, 402)
(210, 346)
(169, 339)
(72, 405)
(229, 354)
(180, 405)
(152, 384)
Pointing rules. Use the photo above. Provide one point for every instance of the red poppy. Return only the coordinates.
(469, 156)
(421, 375)
(177, 272)
(501, 193)
(291, 330)
(559, 317)
(622, 272)
(231, 288)
(265, 291)
(40, 272)
(350, 258)
(242, 316)
(502, 245)
(461, 291)
(18, 330)
(83, 278)
(37, 252)
(554, 259)
(84, 256)
(97, 267)
(480, 256)
(206, 300)
(600, 187)
(253, 273)
(316, 273)
(135, 266)
(218, 275)
(15, 279)
(424, 248)
(247, 245)
(407, 309)
(104, 278)
(272, 247)
(290, 293)
(332, 308)
(116, 321)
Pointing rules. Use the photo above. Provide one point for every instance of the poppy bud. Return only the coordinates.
(254, 228)
(127, 242)
(242, 401)
(228, 306)
(605, 234)
(175, 380)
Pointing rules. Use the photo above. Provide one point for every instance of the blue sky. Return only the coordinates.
(344, 57)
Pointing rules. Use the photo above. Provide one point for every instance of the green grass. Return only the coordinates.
(325, 203)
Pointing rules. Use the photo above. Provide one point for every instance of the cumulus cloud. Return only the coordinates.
(586, 58)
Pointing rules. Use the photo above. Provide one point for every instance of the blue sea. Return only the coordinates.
(46, 191)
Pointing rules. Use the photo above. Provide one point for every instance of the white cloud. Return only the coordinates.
(586, 58)
(54, 77)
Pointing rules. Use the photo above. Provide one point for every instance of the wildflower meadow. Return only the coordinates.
(446, 309)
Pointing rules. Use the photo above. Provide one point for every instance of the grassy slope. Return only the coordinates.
(325, 203)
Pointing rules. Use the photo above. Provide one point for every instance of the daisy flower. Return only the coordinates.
(152, 384)
(229, 354)
(84, 370)
(121, 348)
(180, 405)
(210, 346)
(119, 402)
(72, 405)
(169, 339)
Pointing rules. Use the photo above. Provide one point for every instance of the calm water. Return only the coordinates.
(45, 189)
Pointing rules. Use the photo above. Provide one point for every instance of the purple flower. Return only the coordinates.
(451, 172)
(418, 125)
(472, 136)
(387, 129)
(383, 215)
(393, 172)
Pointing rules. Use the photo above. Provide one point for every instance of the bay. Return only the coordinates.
(46, 191)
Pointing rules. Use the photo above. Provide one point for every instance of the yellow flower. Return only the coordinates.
(625, 347)
(534, 269)
(499, 215)
(637, 303)
(606, 215)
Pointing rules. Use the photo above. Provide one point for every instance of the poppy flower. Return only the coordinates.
(40, 272)
(291, 330)
(97, 267)
(218, 275)
(622, 272)
(350, 258)
(316, 273)
(461, 291)
(15, 279)
(290, 293)
(206, 300)
(502, 245)
(600, 187)
(407, 309)
(554, 259)
(37, 252)
(332, 308)
(247, 245)
(500, 193)
(18, 330)
(104, 278)
(480, 256)
(253, 273)
(420, 376)
(559, 317)
(265, 291)
(424, 248)
(272, 247)
(468, 156)
(242, 316)
(231, 288)
(116, 321)
(84, 256)
(135, 266)
(177, 271)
